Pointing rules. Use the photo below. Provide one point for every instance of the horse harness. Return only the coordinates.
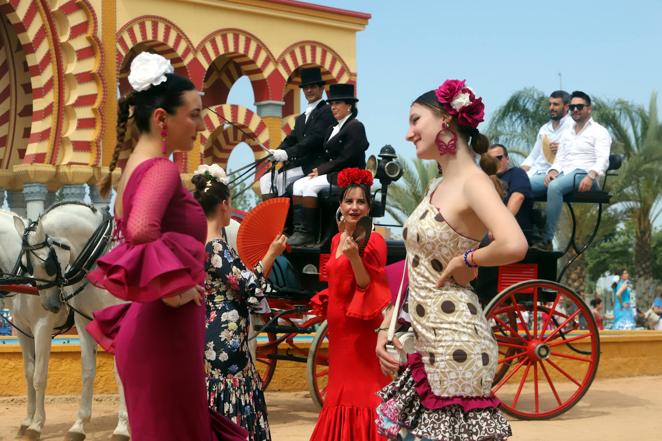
(95, 246)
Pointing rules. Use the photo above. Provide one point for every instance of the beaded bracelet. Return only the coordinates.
(471, 264)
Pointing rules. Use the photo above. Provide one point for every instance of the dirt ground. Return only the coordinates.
(613, 410)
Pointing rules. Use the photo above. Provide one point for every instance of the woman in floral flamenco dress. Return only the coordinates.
(354, 300)
(158, 266)
(444, 391)
(234, 388)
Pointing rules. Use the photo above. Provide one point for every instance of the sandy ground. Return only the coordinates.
(613, 410)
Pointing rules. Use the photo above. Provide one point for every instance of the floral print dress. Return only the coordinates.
(234, 387)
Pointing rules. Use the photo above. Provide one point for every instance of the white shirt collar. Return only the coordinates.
(344, 120)
(311, 106)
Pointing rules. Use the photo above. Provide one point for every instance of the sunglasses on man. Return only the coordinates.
(574, 107)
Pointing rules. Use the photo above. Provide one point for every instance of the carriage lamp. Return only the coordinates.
(387, 170)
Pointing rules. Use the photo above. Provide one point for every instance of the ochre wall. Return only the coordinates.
(623, 354)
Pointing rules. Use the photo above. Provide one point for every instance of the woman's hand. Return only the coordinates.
(460, 273)
(278, 245)
(349, 247)
(387, 363)
(197, 294)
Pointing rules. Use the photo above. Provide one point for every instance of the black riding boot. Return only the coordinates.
(304, 218)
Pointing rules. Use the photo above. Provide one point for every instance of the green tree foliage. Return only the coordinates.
(405, 195)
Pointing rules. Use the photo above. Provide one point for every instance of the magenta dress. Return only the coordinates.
(159, 349)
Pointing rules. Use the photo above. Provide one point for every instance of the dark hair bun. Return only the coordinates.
(200, 182)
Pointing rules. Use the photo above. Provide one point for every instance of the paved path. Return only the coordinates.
(625, 409)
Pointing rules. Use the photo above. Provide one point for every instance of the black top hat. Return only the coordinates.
(311, 76)
(342, 92)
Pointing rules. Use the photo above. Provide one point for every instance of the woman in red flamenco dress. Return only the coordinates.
(354, 300)
(158, 266)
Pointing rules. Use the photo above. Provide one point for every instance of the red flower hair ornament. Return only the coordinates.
(459, 101)
(356, 176)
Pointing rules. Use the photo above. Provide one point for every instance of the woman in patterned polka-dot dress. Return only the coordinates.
(443, 393)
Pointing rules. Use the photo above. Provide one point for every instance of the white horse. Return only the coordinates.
(70, 226)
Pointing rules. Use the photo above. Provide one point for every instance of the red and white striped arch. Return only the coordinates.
(154, 34)
(313, 53)
(15, 98)
(220, 138)
(82, 85)
(246, 51)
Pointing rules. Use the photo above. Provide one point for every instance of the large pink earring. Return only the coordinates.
(446, 148)
(164, 134)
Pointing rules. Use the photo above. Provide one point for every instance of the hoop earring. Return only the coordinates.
(164, 134)
(446, 148)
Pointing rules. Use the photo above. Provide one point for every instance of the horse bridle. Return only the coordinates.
(51, 262)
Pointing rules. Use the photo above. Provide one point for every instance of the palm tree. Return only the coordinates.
(638, 135)
(407, 193)
(516, 123)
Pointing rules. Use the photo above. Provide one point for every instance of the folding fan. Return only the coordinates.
(259, 228)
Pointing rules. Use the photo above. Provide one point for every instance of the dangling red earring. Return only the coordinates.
(164, 134)
(446, 148)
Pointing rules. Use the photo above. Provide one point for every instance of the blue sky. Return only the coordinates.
(609, 49)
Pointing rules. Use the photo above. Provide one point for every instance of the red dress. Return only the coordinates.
(354, 374)
(159, 349)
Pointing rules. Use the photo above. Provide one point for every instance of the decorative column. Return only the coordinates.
(74, 192)
(97, 200)
(35, 198)
(2, 197)
(271, 113)
(50, 199)
(16, 202)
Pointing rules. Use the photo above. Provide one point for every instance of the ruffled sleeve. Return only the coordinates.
(225, 268)
(367, 303)
(151, 264)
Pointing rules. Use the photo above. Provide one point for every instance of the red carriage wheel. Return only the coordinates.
(318, 365)
(265, 362)
(549, 348)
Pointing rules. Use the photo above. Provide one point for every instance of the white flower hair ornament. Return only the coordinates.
(148, 70)
(212, 173)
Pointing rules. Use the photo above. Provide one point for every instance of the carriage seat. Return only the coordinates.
(599, 196)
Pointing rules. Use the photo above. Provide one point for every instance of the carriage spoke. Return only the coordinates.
(572, 357)
(535, 387)
(521, 317)
(551, 383)
(559, 342)
(562, 325)
(550, 314)
(509, 376)
(567, 375)
(513, 331)
(521, 386)
(323, 373)
(510, 345)
(512, 357)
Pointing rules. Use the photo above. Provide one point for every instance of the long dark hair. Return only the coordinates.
(139, 106)
(472, 136)
(366, 192)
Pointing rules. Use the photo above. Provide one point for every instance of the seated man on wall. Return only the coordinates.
(518, 197)
(301, 151)
(582, 157)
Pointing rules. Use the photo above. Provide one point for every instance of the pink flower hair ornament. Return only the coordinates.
(459, 101)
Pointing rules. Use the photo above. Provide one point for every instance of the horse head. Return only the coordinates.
(10, 242)
(45, 259)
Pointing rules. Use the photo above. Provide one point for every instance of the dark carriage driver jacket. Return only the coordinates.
(304, 144)
(344, 150)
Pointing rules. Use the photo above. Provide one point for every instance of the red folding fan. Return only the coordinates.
(259, 228)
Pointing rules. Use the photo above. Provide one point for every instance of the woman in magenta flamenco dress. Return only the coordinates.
(158, 266)
(354, 300)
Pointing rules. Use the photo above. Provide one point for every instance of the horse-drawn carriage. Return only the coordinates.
(548, 340)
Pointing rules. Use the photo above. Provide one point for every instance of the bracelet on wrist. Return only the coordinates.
(469, 264)
(378, 330)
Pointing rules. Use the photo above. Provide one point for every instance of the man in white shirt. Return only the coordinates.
(547, 141)
(583, 155)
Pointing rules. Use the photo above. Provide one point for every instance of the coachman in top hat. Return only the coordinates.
(301, 150)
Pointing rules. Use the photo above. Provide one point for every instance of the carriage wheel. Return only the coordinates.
(265, 361)
(549, 348)
(317, 366)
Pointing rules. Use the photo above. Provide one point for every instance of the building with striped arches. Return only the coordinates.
(62, 63)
